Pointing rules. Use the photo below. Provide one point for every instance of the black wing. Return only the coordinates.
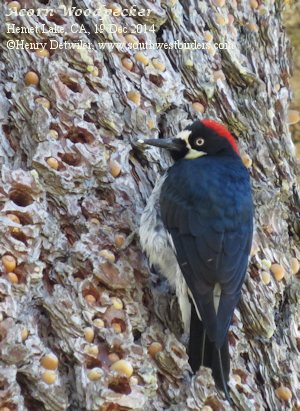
(207, 208)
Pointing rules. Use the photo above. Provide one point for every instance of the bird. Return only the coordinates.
(197, 229)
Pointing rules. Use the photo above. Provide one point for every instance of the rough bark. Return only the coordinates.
(291, 18)
(77, 235)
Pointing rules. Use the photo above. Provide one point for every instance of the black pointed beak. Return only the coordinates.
(172, 144)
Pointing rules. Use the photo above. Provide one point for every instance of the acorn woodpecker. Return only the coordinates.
(197, 229)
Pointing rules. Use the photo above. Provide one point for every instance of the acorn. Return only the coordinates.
(9, 262)
(53, 134)
(154, 348)
(119, 240)
(253, 4)
(123, 367)
(211, 50)
(150, 123)
(160, 66)
(90, 299)
(95, 72)
(49, 377)
(89, 334)
(115, 168)
(91, 350)
(98, 322)
(278, 271)
(108, 255)
(198, 107)
(13, 278)
(265, 277)
(219, 3)
(237, 378)
(131, 39)
(246, 159)
(115, 8)
(127, 63)
(113, 357)
(117, 303)
(220, 19)
(284, 393)
(24, 334)
(31, 79)
(134, 96)
(208, 36)
(117, 328)
(252, 27)
(50, 362)
(94, 375)
(43, 101)
(277, 87)
(13, 218)
(141, 58)
(42, 53)
(53, 163)
(14, 5)
(295, 266)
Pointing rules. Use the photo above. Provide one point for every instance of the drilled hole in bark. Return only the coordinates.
(177, 352)
(71, 84)
(20, 197)
(118, 324)
(80, 135)
(213, 403)
(80, 275)
(20, 272)
(157, 80)
(91, 291)
(110, 270)
(9, 405)
(18, 235)
(3, 334)
(114, 407)
(71, 233)
(92, 362)
(241, 373)
(70, 158)
(120, 385)
(25, 218)
(136, 335)
(56, 19)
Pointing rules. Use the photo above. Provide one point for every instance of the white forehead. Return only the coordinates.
(184, 135)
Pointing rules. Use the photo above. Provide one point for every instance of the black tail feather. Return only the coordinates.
(204, 352)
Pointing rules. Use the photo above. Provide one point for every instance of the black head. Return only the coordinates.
(206, 137)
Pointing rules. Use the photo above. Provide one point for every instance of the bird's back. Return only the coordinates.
(206, 206)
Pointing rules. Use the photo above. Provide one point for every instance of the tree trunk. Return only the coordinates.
(74, 184)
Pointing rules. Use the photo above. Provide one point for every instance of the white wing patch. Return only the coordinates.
(217, 296)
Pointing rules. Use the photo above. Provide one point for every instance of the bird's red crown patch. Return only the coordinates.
(222, 131)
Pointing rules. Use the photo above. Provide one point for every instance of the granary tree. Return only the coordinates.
(85, 323)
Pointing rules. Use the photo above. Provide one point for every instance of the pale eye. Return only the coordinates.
(199, 141)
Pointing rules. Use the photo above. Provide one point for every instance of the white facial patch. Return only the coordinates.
(184, 135)
(192, 153)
